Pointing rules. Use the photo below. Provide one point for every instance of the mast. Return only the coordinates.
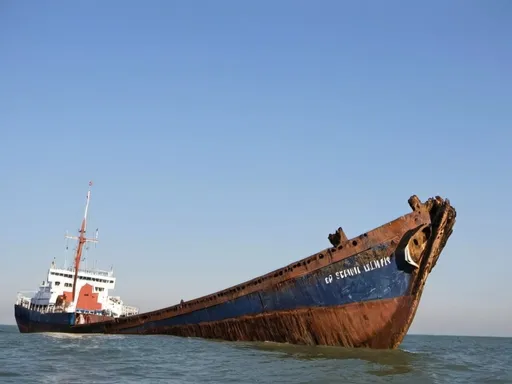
(81, 241)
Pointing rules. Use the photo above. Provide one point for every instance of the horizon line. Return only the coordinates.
(408, 334)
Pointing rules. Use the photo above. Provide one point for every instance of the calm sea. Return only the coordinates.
(57, 358)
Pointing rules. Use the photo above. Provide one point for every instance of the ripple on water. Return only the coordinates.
(57, 358)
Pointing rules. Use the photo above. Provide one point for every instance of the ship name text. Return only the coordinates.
(357, 270)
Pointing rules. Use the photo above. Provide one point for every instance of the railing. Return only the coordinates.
(129, 310)
(90, 271)
(21, 299)
(91, 312)
(25, 302)
(40, 308)
(115, 299)
(97, 272)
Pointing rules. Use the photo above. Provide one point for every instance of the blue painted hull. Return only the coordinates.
(342, 283)
(34, 321)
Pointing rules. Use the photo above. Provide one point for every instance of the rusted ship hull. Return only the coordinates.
(362, 292)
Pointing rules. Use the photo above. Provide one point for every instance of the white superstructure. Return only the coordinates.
(84, 292)
(97, 284)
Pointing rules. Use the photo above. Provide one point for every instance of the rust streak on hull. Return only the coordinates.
(375, 324)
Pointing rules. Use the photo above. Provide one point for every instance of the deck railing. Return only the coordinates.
(129, 310)
(24, 301)
(99, 272)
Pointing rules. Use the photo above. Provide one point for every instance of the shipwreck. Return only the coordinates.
(359, 292)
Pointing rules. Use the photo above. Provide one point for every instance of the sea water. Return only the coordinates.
(60, 358)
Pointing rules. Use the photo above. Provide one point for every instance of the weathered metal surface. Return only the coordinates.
(371, 275)
(362, 292)
(374, 324)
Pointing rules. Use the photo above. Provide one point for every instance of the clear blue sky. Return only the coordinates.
(226, 139)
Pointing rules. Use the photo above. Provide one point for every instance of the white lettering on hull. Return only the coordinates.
(357, 270)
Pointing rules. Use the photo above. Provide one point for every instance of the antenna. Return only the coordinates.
(66, 250)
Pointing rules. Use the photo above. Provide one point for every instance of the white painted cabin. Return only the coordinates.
(60, 281)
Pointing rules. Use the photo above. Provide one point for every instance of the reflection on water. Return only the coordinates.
(394, 361)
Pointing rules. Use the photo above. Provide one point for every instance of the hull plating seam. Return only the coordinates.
(372, 324)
